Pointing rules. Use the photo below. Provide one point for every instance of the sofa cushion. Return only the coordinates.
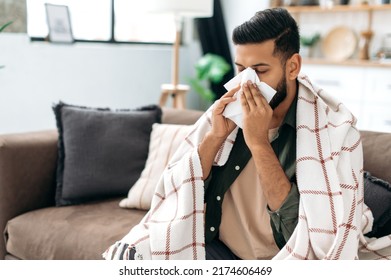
(101, 151)
(377, 153)
(165, 140)
(180, 116)
(377, 196)
(67, 233)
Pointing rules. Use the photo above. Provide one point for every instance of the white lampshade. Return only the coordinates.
(183, 8)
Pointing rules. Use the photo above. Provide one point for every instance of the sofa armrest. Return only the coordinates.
(377, 153)
(27, 174)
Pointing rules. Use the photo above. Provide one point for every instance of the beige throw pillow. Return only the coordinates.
(165, 140)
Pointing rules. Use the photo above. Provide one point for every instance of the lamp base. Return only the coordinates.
(177, 92)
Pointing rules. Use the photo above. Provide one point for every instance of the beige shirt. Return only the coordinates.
(245, 223)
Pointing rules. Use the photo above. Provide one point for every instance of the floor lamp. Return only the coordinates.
(180, 9)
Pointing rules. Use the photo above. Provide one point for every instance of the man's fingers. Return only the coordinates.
(249, 92)
(257, 96)
(228, 97)
(244, 101)
(231, 92)
(259, 99)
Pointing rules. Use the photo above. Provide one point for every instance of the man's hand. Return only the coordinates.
(257, 115)
(221, 128)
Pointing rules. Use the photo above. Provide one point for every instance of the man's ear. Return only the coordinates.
(293, 66)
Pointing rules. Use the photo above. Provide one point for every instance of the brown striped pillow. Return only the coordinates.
(165, 140)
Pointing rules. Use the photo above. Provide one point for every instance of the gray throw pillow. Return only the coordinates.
(377, 196)
(101, 152)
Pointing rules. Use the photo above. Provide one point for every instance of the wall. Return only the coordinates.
(236, 12)
(37, 74)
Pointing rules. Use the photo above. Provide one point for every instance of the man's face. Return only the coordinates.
(268, 67)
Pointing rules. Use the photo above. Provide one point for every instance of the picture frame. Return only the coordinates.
(59, 23)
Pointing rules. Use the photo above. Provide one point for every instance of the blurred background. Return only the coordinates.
(119, 57)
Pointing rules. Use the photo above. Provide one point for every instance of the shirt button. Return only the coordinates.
(218, 198)
(237, 167)
(212, 229)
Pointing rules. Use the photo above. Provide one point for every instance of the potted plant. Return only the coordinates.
(307, 44)
(210, 68)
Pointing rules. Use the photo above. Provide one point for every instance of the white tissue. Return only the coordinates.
(233, 110)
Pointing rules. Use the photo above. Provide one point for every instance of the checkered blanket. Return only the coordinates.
(332, 213)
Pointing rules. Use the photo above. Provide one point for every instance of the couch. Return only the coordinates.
(34, 228)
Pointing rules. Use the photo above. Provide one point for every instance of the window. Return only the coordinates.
(104, 21)
(133, 26)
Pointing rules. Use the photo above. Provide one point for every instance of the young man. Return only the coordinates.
(269, 44)
(287, 185)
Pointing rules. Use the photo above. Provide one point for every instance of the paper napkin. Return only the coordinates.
(233, 110)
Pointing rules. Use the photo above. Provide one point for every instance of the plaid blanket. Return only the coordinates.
(332, 215)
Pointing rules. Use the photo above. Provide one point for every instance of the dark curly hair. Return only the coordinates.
(276, 24)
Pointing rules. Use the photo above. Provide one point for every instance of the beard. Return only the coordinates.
(280, 94)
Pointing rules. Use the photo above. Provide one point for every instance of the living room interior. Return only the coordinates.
(347, 51)
(39, 73)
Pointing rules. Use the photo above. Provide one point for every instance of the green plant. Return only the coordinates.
(309, 41)
(210, 68)
(1, 30)
(5, 25)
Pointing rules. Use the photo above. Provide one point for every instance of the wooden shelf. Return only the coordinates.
(338, 8)
(348, 62)
(301, 11)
